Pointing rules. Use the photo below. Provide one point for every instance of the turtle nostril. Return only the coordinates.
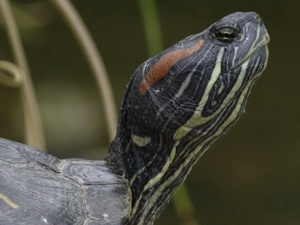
(258, 18)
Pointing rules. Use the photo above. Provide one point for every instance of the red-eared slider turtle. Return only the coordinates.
(175, 106)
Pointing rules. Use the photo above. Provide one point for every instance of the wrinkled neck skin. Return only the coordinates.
(156, 165)
(177, 104)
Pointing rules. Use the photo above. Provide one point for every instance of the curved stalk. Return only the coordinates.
(89, 48)
(32, 121)
(10, 74)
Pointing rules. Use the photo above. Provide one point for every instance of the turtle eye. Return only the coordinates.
(226, 34)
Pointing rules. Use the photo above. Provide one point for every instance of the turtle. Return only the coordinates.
(175, 106)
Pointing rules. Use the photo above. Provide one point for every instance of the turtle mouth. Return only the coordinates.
(259, 46)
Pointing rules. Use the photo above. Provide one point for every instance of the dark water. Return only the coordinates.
(249, 177)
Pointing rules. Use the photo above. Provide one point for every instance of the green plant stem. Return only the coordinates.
(184, 207)
(150, 16)
(34, 134)
(10, 74)
(93, 57)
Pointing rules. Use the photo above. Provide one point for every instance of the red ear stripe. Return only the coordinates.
(163, 65)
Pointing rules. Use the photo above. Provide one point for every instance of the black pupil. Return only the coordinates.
(226, 34)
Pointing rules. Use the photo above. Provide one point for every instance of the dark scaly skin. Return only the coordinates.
(160, 136)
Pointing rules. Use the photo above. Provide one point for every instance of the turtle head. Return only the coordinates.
(180, 101)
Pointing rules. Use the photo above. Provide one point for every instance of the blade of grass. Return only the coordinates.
(94, 59)
(150, 17)
(34, 134)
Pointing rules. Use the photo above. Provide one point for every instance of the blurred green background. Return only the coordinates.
(248, 177)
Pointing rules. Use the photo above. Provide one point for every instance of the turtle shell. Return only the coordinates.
(37, 188)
